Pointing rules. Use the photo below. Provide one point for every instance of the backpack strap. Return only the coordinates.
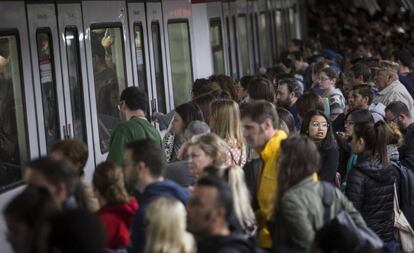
(327, 200)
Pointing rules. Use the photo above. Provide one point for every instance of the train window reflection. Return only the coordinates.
(216, 41)
(279, 30)
(109, 77)
(13, 139)
(180, 56)
(159, 72)
(292, 23)
(264, 40)
(243, 44)
(140, 55)
(75, 83)
(48, 86)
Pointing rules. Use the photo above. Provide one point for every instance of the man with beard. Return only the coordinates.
(398, 113)
(144, 161)
(288, 92)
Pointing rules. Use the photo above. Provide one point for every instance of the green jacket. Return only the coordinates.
(132, 130)
(301, 213)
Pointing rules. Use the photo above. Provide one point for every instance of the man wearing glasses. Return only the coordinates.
(398, 113)
(134, 125)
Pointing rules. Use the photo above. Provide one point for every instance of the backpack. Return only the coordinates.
(405, 189)
(364, 233)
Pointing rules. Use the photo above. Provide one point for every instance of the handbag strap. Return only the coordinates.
(396, 203)
(327, 200)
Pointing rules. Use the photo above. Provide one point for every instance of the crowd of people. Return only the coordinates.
(315, 155)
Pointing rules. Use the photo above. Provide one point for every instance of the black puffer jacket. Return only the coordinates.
(371, 189)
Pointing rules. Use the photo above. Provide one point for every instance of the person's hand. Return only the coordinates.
(341, 136)
(106, 41)
(3, 61)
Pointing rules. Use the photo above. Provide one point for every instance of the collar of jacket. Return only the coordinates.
(271, 146)
(310, 179)
(389, 88)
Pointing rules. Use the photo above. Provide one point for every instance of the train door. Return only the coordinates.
(156, 45)
(75, 79)
(219, 41)
(200, 41)
(252, 12)
(243, 38)
(47, 77)
(139, 47)
(279, 27)
(177, 27)
(18, 140)
(228, 14)
(264, 31)
(109, 66)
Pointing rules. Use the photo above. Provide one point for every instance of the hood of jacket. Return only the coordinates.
(124, 211)
(233, 243)
(371, 166)
(167, 189)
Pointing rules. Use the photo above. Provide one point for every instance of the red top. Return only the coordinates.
(117, 219)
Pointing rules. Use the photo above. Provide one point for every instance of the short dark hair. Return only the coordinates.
(361, 69)
(309, 102)
(31, 207)
(260, 110)
(57, 171)
(201, 86)
(397, 108)
(292, 85)
(224, 194)
(330, 72)
(149, 152)
(189, 112)
(244, 81)
(76, 230)
(365, 91)
(404, 56)
(287, 117)
(134, 98)
(261, 88)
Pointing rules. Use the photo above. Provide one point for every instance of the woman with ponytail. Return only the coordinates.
(117, 208)
(370, 184)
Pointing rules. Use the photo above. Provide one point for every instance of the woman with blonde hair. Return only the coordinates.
(117, 208)
(225, 122)
(166, 228)
(207, 153)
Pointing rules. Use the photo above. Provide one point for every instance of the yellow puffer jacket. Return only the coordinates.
(267, 186)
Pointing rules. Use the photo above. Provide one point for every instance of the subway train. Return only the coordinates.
(63, 64)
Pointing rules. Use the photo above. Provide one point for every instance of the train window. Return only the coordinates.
(159, 72)
(13, 138)
(75, 83)
(243, 44)
(279, 30)
(216, 40)
(264, 39)
(180, 56)
(292, 22)
(109, 77)
(229, 44)
(48, 86)
(236, 46)
(140, 55)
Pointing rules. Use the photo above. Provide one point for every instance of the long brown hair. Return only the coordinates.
(108, 180)
(294, 168)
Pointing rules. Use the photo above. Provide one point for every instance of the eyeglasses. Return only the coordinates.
(120, 104)
(319, 124)
(395, 119)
